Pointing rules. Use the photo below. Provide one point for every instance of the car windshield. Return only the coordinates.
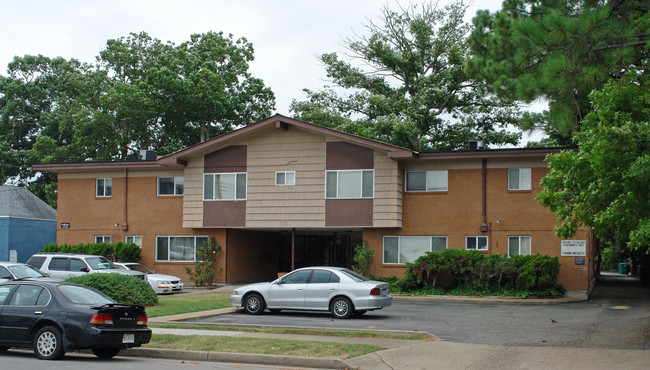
(83, 295)
(353, 275)
(25, 271)
(141, 268)
(100, 263)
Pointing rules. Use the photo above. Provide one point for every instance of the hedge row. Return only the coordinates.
(124, 252)
(454, 267)
(123, 289)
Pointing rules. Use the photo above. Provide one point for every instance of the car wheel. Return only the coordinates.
(341, 308)
(254, 304)
(106, 352)
(48, 343)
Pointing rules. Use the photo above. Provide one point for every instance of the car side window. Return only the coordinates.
(4, 273)
(320, 277)
(43, 298)
(4, 292)
(36, 261)
(334, 278)
(298, 277)
(26, 295)
(59, 264)
(77, 265)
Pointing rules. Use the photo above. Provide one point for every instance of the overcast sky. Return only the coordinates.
(287, 35)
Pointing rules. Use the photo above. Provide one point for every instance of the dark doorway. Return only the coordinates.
(318, 249)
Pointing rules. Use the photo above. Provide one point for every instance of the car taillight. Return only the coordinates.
(142, 320)
(101, 319)
(375, 291)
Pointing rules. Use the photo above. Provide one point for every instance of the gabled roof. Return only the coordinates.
(21, 203)
(280, 122)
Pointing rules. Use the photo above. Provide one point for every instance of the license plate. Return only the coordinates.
(128, 338)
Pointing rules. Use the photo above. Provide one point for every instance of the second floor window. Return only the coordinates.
(426, 180)
(519, 179)
(349, 184)
(170, 185)
(224, 186)
(104, 187)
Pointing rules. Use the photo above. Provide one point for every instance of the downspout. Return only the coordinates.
(484, 227)
(293, 249)
(125, 225)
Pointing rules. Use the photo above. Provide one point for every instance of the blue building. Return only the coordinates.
(27, 224)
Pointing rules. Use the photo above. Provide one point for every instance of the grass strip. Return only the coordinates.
(184, 303)
(300, 331)
(261, 346)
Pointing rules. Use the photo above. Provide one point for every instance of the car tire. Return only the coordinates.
(341, 308)
(254, 304)
(106, 352)
(48, 343)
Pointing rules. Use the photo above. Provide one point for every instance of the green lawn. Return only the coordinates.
(183, 303)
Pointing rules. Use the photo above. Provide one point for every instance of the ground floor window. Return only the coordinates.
(135, 239)
(406, 249)
(476, 243)
(178, 248)
(103, 239)
(518, 245)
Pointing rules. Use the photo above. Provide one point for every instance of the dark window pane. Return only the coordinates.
(162, 248)
(298, 277)
(166, 185)
(416, 181)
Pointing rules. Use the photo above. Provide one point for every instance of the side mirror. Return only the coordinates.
(85, 269)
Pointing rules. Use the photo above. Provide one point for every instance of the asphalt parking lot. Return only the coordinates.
(617, 316)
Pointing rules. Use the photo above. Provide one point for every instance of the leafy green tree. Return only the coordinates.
(560, 51)
(405, 84)
(605, 184)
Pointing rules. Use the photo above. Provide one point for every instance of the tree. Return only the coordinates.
(605, 184)
(560, 51)
(405, 84)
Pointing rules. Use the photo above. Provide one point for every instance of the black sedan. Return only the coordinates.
(55, 318)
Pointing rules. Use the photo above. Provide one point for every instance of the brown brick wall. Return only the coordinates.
(457, 213)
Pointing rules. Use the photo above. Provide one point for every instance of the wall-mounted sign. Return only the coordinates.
(65, 225)
(580, 261)
(574, 248)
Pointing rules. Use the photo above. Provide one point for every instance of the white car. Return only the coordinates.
(160, 283)
(335, 289)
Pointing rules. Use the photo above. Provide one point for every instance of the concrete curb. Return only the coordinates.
(247, 358)
(577, 297)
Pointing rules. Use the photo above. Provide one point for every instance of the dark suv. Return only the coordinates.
(64, 265)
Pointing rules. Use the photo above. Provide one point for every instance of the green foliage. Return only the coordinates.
(362, 259)
(405, 84)
(205, 271)
(123, 289)
(610, 257)
(559, 51)
(125, 252)
(536, 272)
(604, 185)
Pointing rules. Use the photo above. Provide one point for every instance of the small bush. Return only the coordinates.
(125, 252)
(205, 270)
(123, 289)
(362, 259)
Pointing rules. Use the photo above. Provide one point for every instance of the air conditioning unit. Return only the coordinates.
(148, 155)
(476, 145)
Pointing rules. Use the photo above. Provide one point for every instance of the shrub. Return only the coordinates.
(537, 272)
(362, 259)
(205, 269)
(123, 289)
(125, 252)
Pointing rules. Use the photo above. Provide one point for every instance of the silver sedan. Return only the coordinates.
(335, 289)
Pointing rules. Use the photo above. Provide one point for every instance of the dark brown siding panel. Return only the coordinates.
(344, 156)
(230, 159)
(224, 214)
(348, 212)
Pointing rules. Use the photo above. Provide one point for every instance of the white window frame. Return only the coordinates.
(110, 186)
(524, 171)
(103, 238)
(519, 237)
(487, 243)
(214, 193)
(426, 185)
(399, 242)
(169, 244)
(360, 184)
(134, 237)
(285, 178)
(176, 181)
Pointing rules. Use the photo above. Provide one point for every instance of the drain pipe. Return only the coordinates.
(484, 227)
(125, 225)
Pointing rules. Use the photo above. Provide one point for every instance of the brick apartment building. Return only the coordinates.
(283, 194)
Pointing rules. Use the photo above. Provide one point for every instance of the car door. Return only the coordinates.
(58, 267)
(289, 291)
(27, 305)
(5, 291)
(321, 287)
(77, 267)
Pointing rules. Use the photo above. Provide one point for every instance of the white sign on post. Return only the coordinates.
(574, 248)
